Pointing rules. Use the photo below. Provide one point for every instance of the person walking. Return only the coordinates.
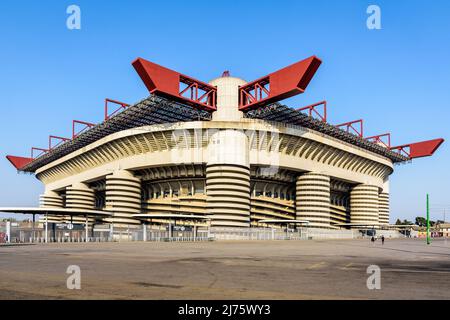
(372, 239)
(382, 239)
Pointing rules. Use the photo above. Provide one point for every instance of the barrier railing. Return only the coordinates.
(27, 235)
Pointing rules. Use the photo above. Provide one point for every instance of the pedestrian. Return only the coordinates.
(372, 239)
(382, 239)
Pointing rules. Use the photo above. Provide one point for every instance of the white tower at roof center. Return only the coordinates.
(227, 98)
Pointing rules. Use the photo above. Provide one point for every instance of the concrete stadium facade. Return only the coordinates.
(235, 170)
(221, 154)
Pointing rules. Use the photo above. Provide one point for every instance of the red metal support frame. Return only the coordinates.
(168, 83)
(122, 105)
(60, 139)
(279, 85)
(19, 162)
(378, 139)
(43, 151)
(312, 110)
(349, 125)
(419, 149)
(86, 126)
(403, 150)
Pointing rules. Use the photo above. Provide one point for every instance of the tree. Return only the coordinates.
(421, 221)
(402, 223)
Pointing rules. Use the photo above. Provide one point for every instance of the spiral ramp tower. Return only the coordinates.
(52, 199)
(228, 167)
(79, 196)
(123, 197)
(364, 205)
(228, 190)
(313, 199)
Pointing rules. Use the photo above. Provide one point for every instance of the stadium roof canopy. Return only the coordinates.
(281, 113)
(152, 110)
(158, 110)
(175, 97)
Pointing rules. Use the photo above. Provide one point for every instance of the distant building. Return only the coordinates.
(443, 229)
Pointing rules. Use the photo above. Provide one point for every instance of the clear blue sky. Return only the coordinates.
(396, 78)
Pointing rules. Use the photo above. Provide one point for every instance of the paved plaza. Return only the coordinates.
(331, 269)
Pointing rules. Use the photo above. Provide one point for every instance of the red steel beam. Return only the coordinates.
(121, 105)
(60, 139)
(279, 85)
(168, 83)
(19, 162)
(419, 149)
(312, 110)
(86, 126)
(43, 151)
(349, 125)
(378, 139)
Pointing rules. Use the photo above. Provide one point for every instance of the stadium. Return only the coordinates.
(220, 155)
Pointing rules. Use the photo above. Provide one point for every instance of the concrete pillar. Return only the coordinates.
(8, 232)
(228, 180)
(227, 99)
(86, 228)
(46, 228)
(228, 168)
(111, 232)
(144, 231)
(364, 204)
(313, 199)
(123, 197)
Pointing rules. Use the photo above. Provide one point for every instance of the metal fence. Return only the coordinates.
(281, 234)
(314, 233)
(258, 234)
(174, 236)
(24, 233)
